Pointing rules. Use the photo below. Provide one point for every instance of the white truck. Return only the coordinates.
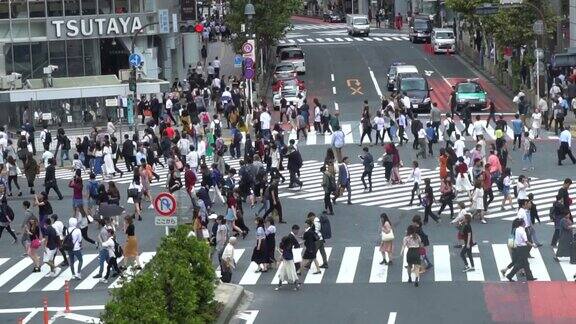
(357, 25)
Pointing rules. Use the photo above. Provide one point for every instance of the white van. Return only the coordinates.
(400, 71)
(294, 55)
(357, 25)
(443, 40)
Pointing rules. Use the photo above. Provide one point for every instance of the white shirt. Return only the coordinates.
(520, 237)
(415, 176)
(522, 190)
(565, 136)
(536, 120)
(202, 148)
(216, 83)
(76, 235)
(111, 128)
(216, 63)
(43, 135)
(47, 155)
(265, 119)
(318, 227)
(59, 228)
(192, 159)
(228, 255)
(379, 121)
(422, 133)
(543, 105)
(525, 215)
(406, 102)
(478, 128)
(184, 146)
(317, 114)
(459, 147)
(169, 104)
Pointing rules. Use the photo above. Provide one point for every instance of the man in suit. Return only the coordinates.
(368, 163)
(293, 239)
(343, 181)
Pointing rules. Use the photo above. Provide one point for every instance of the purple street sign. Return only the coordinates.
(249, 74)
(248, 63)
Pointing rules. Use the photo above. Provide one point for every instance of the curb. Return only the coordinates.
(234, 297)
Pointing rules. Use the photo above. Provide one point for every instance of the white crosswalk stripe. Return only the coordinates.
(345, 267)
(317, 26)
(341, 39)
(397, 196)
(16, 276)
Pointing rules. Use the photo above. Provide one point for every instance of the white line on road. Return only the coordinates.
(29, 317)
(334, 90)
(332, 77)
(336, 107)
(378, 91)
(348, 266)
(392, 318)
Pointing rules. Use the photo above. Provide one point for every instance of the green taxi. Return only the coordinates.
(470, 92)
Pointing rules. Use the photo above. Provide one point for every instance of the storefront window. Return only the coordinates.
(72, 7)
(5, 31)
(4, 10)
(37, 8)
(39, 59)
(55, 8)
(58, 57)
(91, 57)
(149, 5)
(121, 6)
(7, 48)
(20, 31)
(75, 58)
(19, 9)
(88, 7)
(105, 6)
(134, 5)
(22, 60)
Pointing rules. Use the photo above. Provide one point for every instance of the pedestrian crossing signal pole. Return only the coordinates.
(46, 317)
(67, 296)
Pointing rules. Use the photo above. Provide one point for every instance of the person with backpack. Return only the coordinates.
(73, 244)
(65, 150)
(6, 217)
(46, 138)
(114, 252)
(92, 193)
(216, 182)
(51, 244)
(324, 232)
(529, 148)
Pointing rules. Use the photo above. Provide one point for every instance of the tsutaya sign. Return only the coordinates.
(95, 26)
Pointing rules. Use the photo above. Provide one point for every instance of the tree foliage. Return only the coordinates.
(177, 286)
(269, 23)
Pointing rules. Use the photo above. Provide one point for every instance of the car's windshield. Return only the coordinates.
(413, 84)
(292, 55)
(444, 35)
(469, 88)
(360, 21)
(420, 24)
(284, 68)
(290, 92)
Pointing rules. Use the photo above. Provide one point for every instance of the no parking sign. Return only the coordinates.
(165, 206)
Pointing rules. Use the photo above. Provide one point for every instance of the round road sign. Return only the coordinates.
(248, 63)
(165, 204)
(249, 73)
(247, 48)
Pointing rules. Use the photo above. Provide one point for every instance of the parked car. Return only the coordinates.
(398, 69)
(420, 29)
(281, 47)
(290, 93)
(294, 55)
(285, 70)
(443, 40)
(470, 92)
(333, 16)
(417, 89)
(281, 84)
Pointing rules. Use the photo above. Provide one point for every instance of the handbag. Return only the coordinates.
(387, 237)
(511, 241)
(36, 243)
(133, 192)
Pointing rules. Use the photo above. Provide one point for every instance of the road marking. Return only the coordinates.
(442, 268)
(35, 277)
(348, 39)
(91, 282)
(347, 130)
(478, 273)
(310, 40)
(538, 267)
(301, 40)
(387, 38)
(348, 265)
(397, 38)
(282, 41)
(14, 270)
(320, 40)
(405, 38)
(378, 39)
(568, 268)
(30, 316)
(336, 107)
(355, 85)
(145, 257)
(368, 39)
(392, 318)
(379, 272)
(332, 77)
(339, 39)
(405, 272)
(291, 41)
(502, 258)
(329, 39)
(312, 278)
(249, 316)
(311, 139)
(334, 90)
(3, 260)
(64, 276)
(378, 91)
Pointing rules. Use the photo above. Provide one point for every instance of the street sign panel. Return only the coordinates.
(248, 63)
(238, 61)
(539, 53)
(165, 221)
(165, 204)
(135, 59)
(538, 27)
(247, 48)
(111, 102)
(163, 21)
(249, 74)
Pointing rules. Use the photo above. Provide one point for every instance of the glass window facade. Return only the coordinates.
(55, 8)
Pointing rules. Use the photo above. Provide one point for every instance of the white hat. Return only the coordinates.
(213, 216)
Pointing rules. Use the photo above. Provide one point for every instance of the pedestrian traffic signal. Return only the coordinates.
(199, 28)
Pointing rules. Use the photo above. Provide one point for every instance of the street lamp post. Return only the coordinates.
(249, 12)
(132, 82)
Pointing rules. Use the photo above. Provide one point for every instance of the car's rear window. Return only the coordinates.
(469, 88)
(292, 55)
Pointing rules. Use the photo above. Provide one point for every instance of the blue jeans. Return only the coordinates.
(72, 255)
(527, 160)
(102, 256)
(64, 153)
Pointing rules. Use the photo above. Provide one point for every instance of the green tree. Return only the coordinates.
(177, 286)
(270, 22)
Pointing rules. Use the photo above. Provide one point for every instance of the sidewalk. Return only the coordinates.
(226, 54)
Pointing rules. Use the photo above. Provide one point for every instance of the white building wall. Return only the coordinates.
(572, 23)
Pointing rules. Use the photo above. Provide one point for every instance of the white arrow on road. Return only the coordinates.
(428, 73)
(249, 316)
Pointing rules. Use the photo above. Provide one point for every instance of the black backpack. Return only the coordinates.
(118, 251)
(68, 243)
(48, 138)
(325, 228)
(261, 175)
(66, 143)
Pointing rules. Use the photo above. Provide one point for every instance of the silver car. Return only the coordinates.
(443, 40)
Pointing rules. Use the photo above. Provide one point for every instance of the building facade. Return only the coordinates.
(91, 38)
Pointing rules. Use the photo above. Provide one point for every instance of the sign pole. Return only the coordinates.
(537, 74)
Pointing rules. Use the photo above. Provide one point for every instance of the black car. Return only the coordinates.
(416, 88)
(333, 16)
(420, 29)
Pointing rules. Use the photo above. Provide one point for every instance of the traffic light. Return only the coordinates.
(199, 28)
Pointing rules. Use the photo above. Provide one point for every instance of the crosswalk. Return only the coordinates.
(317, 26)
(361, 264)
(16, 275)
(343, 39)
(397, 196)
